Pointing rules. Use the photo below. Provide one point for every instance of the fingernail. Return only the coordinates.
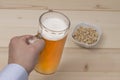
(32, 40)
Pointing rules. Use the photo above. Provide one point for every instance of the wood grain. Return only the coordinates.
(77, 76)
(19, 17)
(20, 22)
(104, 5)
(90, 60)
(82, 60)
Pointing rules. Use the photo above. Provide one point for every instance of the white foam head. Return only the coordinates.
(54, 25)
(56, 29)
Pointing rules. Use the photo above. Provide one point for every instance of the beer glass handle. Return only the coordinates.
(38, 36)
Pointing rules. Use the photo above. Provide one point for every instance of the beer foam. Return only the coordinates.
(54, 24)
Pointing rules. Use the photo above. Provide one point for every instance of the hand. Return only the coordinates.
(23, 53)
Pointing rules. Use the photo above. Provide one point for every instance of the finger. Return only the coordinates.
(24, 37)
(39, 44)
(32, 40)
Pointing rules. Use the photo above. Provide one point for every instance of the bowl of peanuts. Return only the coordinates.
(86, 35)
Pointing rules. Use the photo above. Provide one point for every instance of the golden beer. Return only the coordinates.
(54, 28)
(50, 56)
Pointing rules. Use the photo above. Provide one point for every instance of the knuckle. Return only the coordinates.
(13, 39)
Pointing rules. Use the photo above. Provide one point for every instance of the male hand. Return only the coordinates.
(23, 53)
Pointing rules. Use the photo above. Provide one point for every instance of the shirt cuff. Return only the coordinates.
(13, 72)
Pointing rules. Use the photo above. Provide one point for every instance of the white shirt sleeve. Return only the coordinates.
(13, 72)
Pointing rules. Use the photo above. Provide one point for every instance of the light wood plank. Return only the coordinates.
(90, 60)
(82, 60)
(77, 76)
(19, 22)
(109, 5)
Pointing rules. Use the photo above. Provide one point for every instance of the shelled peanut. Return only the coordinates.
(86, 35)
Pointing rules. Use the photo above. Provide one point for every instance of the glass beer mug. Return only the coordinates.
(54, 28)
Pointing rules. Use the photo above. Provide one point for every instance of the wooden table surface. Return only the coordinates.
(18, 17)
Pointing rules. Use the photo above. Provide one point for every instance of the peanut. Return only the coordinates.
(85, 35)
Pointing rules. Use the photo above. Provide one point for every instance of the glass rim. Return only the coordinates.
(54, 12)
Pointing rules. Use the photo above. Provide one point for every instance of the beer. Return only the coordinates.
(49, 58)
(54, 29)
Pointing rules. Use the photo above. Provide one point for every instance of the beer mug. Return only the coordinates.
(54, 27)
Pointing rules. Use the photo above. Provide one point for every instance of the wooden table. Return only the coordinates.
(18, 17)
